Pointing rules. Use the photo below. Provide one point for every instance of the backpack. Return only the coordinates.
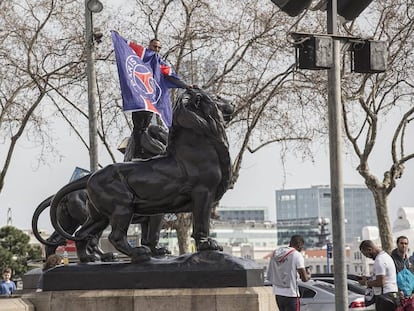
(405, 281)
(369, 296)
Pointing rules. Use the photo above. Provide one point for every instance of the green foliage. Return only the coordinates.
(15, 251)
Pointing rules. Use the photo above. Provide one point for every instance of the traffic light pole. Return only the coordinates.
(335, 158)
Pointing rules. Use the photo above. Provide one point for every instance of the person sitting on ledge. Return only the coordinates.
(51, 262)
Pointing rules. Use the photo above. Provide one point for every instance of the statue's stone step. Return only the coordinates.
(207, 269)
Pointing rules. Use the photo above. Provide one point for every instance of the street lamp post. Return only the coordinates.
(91, 6)
(335, 157)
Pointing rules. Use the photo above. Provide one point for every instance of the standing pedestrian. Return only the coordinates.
(404, 269)
(141, 119)
(384, 281)
(284, 267)
(7, 286)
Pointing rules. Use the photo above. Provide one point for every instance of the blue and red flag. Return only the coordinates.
(142, 78)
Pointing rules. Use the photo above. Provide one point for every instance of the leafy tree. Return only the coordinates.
(43, 56)
(15, 251)
(39, 62)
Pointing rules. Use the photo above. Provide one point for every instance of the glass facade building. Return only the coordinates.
(243, 213)
(308, 212)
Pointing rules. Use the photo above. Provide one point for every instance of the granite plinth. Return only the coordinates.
(189, 299)
(15, 304)
(207, 269)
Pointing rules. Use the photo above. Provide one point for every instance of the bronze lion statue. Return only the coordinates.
(191, 177)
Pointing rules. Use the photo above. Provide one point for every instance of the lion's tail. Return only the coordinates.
(78, 184)
(35, 219)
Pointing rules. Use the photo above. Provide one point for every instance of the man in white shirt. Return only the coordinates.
(284, 267)
(384, 282)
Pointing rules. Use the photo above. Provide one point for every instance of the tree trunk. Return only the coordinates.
(182, 226)
(380, 191)
(384, 224)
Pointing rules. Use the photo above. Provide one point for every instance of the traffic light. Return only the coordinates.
(292, 7)
(350, 9)
(314, 52)
(369, 56)
(329, 250)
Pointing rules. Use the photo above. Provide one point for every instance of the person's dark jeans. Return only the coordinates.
(387, 302)
(288, 303)
(141, 120)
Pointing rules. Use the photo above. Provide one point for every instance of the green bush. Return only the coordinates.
(15, 251)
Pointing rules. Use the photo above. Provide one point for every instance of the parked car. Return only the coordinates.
(348, 276)
(353, 284)
(319, 295)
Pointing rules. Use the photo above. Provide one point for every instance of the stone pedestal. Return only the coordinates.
(31, 280)
(208, 269)
(15, 304)
(198, 299)
(205, 281)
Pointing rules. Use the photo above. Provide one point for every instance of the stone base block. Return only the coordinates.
(15, 304)
(197, 299)
(208, 269)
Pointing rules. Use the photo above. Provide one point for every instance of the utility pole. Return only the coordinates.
(335, 160)
(91, 6)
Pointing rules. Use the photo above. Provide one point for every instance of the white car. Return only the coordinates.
(320, 296)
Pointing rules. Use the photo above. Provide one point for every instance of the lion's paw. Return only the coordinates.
(88, 258)
(160, 251)
(109, 257)
(140, 254)
(209, 245)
